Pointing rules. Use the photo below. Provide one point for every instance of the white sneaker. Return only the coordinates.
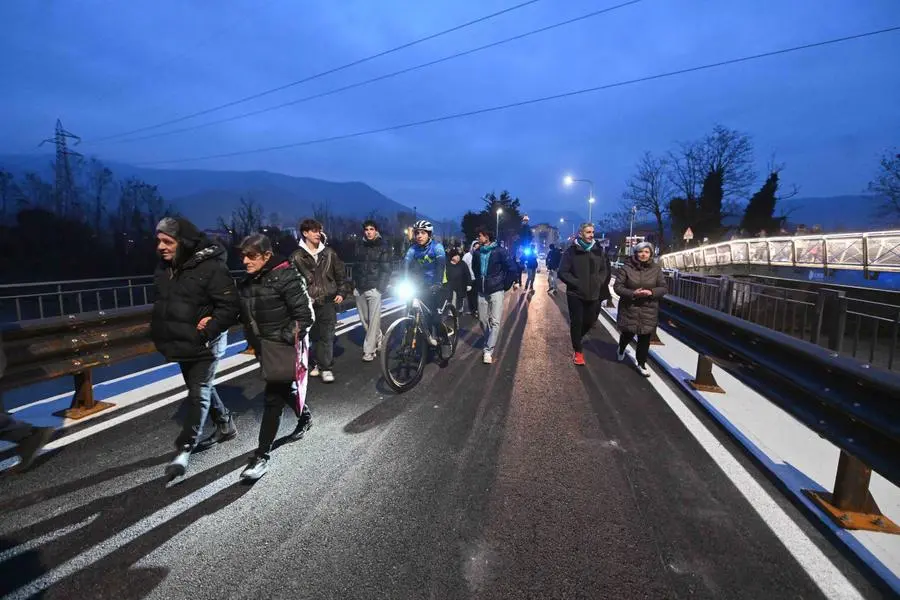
(643, 370)
(256, 469)
(314, 372)
(488, 358)
(368, 357)
(327, 377)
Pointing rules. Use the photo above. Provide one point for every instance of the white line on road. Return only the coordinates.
(821, 570)
(104, 549)
(133, 414)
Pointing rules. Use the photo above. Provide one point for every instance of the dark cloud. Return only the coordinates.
(106, 67)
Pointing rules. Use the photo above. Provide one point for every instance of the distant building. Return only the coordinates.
(544, 235)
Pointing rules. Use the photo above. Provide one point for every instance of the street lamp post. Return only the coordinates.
(499, 212)
(569, 180)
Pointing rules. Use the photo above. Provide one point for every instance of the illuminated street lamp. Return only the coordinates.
(499, 212)
(568, 180)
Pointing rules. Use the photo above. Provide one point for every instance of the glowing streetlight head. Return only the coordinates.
(591, 199)
(499, 211)
(568, 180)
(561, 220)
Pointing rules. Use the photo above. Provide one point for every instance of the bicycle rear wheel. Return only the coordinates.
(404, 352)
(450, 326)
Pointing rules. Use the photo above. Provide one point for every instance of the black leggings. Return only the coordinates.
(643, 345)
(277, 395)
(582, 316)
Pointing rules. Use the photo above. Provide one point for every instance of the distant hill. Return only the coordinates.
(203, 196)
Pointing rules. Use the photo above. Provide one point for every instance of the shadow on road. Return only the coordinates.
(115, 575)
(80, 484)
(379, 414)
(104, 517)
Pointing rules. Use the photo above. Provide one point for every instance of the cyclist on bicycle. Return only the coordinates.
(426, 265)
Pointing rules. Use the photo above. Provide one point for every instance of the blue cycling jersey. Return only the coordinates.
(429, 262)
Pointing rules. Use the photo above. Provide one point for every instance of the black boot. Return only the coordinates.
(226, 430)
(304, 423)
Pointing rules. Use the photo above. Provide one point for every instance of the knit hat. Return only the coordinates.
(168, 226)
(638, 247)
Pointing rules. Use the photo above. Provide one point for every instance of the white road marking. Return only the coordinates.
(821, 570)
(104, 549)
(95, 429)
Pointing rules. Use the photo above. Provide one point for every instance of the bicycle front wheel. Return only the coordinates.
(404, 352)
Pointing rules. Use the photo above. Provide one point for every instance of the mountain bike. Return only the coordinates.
(405, 349)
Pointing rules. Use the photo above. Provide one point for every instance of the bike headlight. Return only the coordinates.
(406, 291)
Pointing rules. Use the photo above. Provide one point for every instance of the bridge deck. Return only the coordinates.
(527, 479)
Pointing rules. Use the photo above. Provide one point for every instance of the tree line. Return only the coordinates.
(701, 183)
(86, 224)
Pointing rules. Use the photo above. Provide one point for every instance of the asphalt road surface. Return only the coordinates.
(530, 478)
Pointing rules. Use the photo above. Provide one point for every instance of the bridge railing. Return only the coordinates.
(854, 327)
(877, 251)
(851, 403)
(40, 300)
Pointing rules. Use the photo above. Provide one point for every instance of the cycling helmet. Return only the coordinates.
(424, 226)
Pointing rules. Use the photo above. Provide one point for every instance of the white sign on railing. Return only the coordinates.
(873, 250)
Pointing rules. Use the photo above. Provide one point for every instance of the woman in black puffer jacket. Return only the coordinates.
(640, 284)
(275, 306)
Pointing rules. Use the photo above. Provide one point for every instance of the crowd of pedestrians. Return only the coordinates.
(288, 307)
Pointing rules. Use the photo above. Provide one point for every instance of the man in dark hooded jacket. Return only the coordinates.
(586, 272)
(196, 302)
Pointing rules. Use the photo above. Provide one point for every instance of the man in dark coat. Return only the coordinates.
(196, 302)
(586, 272)
(554, 257)
(459, 278)
(640, 283)
(371, 276)
(495, 273)
(328, 286)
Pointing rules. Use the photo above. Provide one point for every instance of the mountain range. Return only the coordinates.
(203, 196)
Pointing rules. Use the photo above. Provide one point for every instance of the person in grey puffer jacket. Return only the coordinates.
(640, 284)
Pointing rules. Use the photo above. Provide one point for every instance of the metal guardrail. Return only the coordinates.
(853, 405)
(855, 327)
(40, 300)
(47, 349)
(73, 345)
(876, 251)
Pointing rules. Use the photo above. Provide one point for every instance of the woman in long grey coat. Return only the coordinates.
(639, 284)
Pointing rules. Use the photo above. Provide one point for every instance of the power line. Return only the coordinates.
(380, 77)
(323, 73)
(534, 100)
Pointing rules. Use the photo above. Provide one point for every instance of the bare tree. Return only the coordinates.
(100, 182)
(725, 150)
(9, 192)
(649, 190)
(887, 185)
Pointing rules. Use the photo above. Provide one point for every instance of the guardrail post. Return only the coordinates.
(83, 403)
(831, 314)
(852, 506)
(726, 294)
(704, 381)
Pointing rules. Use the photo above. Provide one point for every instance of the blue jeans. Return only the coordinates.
(202, 395)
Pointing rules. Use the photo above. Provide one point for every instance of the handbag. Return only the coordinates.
(278, 361)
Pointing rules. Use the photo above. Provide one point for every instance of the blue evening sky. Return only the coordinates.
(107, 67)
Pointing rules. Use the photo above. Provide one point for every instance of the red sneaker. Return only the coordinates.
(578, 358)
